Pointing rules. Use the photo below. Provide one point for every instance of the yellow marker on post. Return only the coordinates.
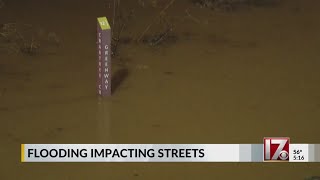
(104, 57)
(104, 24)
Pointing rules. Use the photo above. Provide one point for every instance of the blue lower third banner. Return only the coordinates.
(168, 153)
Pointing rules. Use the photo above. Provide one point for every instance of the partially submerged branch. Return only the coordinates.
(162, 12)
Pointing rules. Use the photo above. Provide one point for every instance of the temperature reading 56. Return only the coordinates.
(297, 151)
(298, 155)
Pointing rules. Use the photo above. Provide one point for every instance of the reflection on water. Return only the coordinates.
(103, 120)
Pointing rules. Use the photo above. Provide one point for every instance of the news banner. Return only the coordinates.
(273, 149)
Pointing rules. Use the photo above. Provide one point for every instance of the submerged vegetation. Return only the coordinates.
(233, 4)
(26, 39)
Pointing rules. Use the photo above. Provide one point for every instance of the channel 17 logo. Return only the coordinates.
(276, 149)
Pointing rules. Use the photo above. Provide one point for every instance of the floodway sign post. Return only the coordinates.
(104, 57)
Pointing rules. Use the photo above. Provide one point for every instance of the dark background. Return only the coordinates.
(224, 74)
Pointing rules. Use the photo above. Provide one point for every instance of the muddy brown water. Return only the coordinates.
(230, 77)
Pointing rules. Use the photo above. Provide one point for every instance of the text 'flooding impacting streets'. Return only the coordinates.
(115, 153)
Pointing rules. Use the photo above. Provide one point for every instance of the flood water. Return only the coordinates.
(227, 77)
